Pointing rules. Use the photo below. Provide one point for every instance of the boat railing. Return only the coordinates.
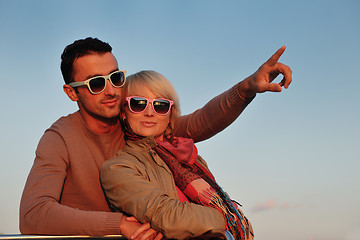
(43, 237)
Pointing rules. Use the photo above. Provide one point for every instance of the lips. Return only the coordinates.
(110, 102)
(148, 124)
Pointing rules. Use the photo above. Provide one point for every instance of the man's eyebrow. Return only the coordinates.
(98, 75)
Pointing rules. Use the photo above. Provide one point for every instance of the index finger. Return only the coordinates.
(275, 57)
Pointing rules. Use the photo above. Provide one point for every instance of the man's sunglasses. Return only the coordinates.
(97, 84)
(161, 106)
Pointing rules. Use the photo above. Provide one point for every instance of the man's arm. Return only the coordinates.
(40, 208)
(222, 110)
(41, 211)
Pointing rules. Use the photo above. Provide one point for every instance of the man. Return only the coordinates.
(63, 194)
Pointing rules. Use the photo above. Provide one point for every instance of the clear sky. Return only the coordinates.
(292, 158)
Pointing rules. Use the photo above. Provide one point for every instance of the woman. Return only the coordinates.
(160, 179)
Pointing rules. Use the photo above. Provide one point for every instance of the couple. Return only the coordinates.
(63, 194)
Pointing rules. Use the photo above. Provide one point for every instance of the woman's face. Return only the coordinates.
(148, 122)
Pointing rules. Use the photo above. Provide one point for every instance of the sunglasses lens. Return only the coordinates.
(161, 106)
(118, 79)
(97, 84)
(138, 104)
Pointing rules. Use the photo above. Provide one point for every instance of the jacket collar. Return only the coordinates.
(144, 144)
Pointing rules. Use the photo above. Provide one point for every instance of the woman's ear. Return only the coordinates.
(70, 91)
(124, 122)
(122, 115)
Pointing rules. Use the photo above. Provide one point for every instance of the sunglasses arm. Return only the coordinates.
(77, 84)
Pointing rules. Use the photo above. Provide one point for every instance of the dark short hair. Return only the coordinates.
(77, 49)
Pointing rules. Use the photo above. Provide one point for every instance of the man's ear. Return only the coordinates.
(70, 92)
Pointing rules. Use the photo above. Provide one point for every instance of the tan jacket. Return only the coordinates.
(138, 182)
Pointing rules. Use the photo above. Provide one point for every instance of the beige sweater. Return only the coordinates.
(63, 194)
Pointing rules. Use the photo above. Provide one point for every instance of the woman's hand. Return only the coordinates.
(144, 232)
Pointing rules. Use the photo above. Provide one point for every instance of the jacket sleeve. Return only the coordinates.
(128, 187)
(40, 210)
(215, 116)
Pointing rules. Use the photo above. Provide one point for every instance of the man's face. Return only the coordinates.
(105, 105)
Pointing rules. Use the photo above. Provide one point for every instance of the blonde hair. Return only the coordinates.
(160, 86)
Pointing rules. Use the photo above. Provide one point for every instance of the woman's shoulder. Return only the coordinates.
(202, 161)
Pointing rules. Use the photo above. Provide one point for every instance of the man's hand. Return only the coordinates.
(131, 228)
(261, 80)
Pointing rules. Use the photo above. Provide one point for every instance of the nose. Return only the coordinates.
(149, 111)
(109, 88)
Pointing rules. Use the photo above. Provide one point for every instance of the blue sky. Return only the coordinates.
(292, 158)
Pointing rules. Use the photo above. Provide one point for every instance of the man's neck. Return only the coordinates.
(100, 125)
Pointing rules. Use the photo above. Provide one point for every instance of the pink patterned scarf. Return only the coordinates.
(198, 184)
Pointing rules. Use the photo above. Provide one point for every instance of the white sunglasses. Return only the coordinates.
(97, 84)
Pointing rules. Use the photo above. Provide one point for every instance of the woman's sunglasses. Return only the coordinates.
(161, 106)
(97, 84)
